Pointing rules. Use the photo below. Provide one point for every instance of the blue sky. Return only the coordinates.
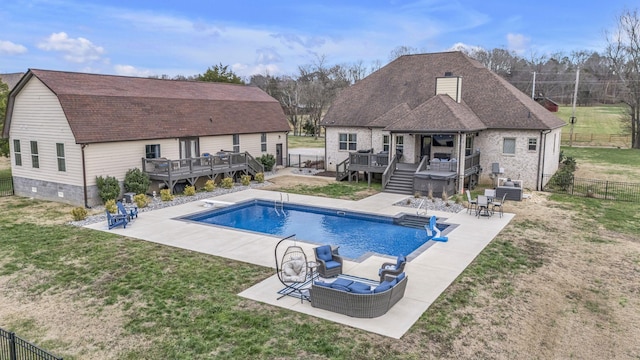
(142, 38)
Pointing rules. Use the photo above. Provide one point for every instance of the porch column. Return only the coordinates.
(462, 140)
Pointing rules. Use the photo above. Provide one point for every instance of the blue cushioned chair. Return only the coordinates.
(389, 268)
(114, 220)
(329, 263)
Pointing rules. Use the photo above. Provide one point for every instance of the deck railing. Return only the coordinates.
(388, 172)
(201, 164)
(472, 164)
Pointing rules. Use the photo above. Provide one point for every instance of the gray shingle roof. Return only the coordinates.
(488, 101)
(106, 108)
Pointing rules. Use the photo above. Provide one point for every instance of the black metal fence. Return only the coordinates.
(6, 186)
(12, 347)
(593, 188)
(306, 161)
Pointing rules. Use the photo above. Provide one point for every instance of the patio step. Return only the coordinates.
(401, 182)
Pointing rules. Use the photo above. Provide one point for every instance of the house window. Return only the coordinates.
(533, 144)
(236, 143)
(399, 144)
(35, 160)
(385, 143)
(17, 153)
(348, 142)
(60, 154)
(152, 151)
(263, 142)
(509, 146)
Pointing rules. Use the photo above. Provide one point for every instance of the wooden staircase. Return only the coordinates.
(401, 182)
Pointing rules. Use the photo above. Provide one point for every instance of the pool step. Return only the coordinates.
(413, 221)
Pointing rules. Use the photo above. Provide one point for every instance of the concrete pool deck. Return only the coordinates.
(429, 273)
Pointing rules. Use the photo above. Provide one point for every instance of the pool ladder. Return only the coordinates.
(280, 203)
(420, 207)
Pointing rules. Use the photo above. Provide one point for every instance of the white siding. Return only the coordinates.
(451, 86)
(38, 116)
(114, 159)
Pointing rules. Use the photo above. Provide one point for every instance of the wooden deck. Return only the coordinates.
(170, 172)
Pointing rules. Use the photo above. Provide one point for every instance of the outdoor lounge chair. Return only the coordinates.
(471, 203)
(389, 268)
(292, 269)
(329, 263)
(433, 233)
(129, 212)
(114, 220)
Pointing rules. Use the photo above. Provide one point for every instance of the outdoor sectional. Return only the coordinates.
(357, 299)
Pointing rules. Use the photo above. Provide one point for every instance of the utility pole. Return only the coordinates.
(573, 113)
(533, 88)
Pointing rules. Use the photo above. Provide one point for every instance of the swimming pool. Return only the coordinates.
(356, 233)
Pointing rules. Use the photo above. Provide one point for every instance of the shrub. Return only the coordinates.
(267, 160)
(108, 188)
(166, 195)
(416, 194)
(445, 196)
(245, 180)
(141, 200)
(79, 213)
(227, 183)
(259, 177)
(210, 185)
(189, 190)
(136, 181)
(111, 207)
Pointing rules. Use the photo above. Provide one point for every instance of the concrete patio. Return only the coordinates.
(429, 273)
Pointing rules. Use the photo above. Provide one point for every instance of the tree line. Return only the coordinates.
(607, 77)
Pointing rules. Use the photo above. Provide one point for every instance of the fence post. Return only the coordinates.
(606, 190)
(299, 161)
(12, 346)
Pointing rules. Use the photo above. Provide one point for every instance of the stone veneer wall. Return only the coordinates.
(523, 165)
(46, 190)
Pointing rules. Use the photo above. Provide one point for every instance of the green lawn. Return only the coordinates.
(606, 156)
(305, 142)
(605, 119)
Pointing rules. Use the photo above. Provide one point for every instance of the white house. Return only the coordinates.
(65, 129)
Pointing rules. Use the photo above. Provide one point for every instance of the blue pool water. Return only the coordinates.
(355, 233)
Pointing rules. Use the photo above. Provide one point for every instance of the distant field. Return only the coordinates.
(595, 126)
(305, 142)
(604, 119)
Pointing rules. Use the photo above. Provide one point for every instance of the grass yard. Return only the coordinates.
(558, 282)
(604, 119)
(305, 142)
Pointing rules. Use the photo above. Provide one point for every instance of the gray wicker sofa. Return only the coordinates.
(358, 299)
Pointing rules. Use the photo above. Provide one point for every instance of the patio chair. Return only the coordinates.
(499, 204)
(433, 233)
(471, 204)
(129, 212)
(114, 220)
(390, 268)
(329, 263)
(483, 206)
(292, 269)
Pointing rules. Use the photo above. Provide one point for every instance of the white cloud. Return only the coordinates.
(517, 42)
(459, 46)
(128, 70)
(9, 48)
(78, 50)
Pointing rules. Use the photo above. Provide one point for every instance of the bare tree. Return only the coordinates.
(623, 50)
(401, 50)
